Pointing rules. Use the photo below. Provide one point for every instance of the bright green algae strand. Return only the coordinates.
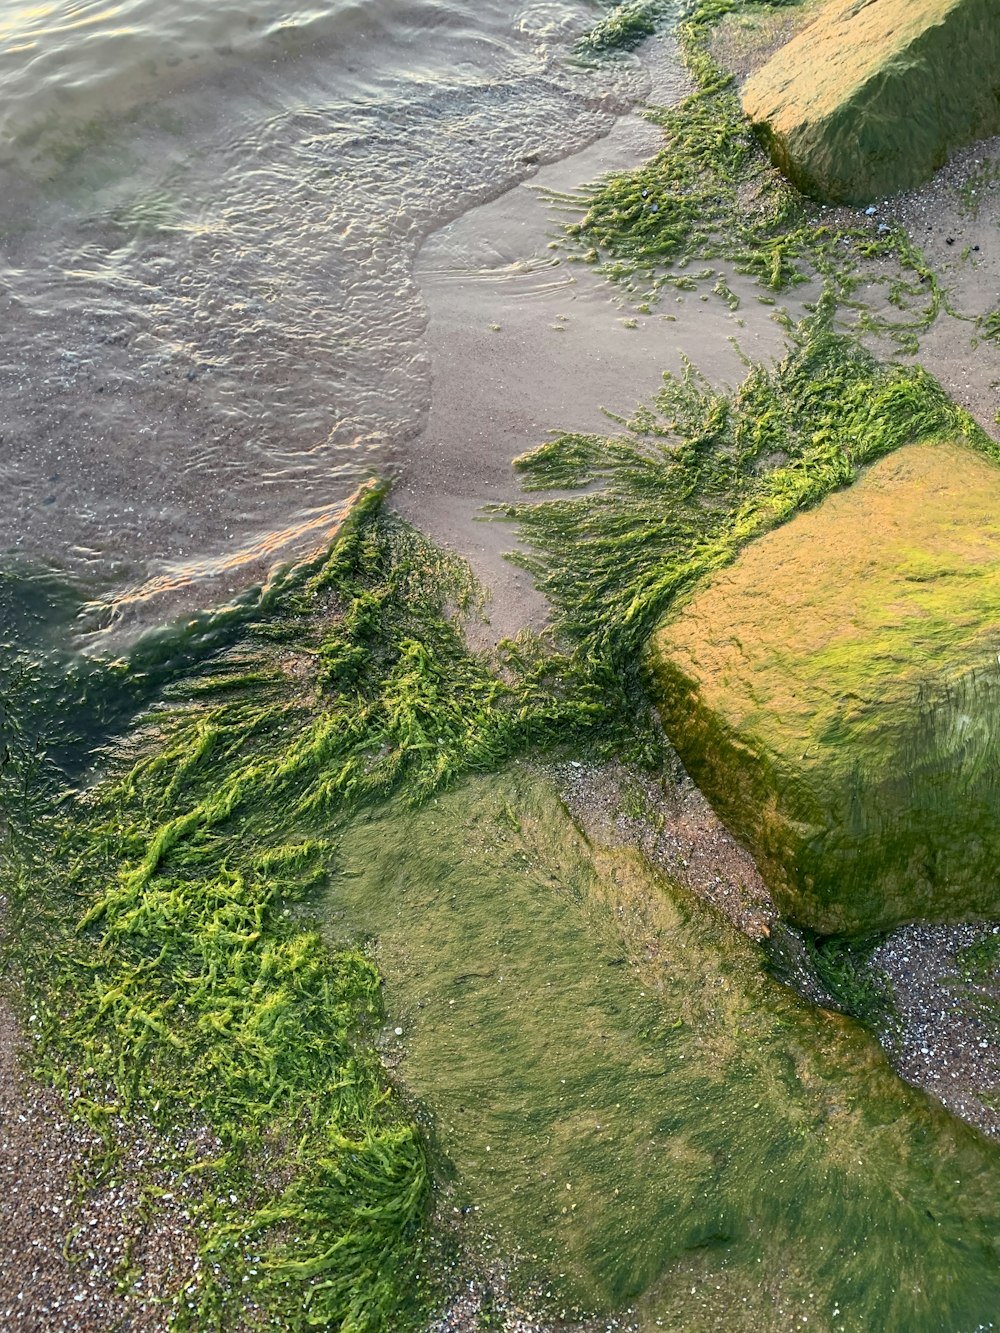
(623, 26)
(637, 1110)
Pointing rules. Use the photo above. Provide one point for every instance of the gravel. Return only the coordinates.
(671, 822)
(944, 1041)
(77, 1257)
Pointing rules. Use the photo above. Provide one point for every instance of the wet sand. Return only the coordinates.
(524, 342)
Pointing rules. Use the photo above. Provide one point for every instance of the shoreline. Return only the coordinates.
(495, 287)
(492, 266)
(954, 217)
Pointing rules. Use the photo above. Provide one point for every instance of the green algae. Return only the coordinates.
(699, 473)
(989, 326)
(622, 27)
(978, 962)
(712, 196)
(833, 694)
(161, 912)
(845, 969)
(974, 989)
(635, 1109)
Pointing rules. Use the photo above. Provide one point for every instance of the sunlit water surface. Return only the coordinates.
(209, 327)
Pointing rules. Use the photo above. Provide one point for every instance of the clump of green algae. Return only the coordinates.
(845, 969)
(700, 472)
(711, 195)
(622, 27)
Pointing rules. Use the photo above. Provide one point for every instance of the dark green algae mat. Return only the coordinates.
(239, 859)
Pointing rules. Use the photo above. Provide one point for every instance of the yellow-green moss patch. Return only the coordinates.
(633, 1106)
(836, 692)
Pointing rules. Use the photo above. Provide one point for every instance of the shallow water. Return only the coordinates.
(208, 217)
(633, 1107)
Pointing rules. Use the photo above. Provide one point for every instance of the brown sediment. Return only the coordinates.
(670, 821)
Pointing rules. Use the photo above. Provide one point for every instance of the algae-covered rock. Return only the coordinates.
(622, 1097)
(836, 694)
(874, 95)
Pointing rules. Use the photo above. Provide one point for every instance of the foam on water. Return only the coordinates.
(209, 327)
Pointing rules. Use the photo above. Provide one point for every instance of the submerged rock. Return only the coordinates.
(874, 95)
(623, 1099)
(836, 695)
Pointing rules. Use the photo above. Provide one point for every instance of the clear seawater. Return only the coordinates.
(209, 211)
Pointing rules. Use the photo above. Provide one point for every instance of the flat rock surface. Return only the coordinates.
(624, 1090)
(873, 95)
(835, 694)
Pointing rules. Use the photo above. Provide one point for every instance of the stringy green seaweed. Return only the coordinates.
(989, 326)
(711, 194)
(623, 27)
(699, 473)
(163, 935)
(844, 967)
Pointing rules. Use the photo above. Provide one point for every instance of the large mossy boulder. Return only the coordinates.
(623, 1101)
(874, 95)
(836, 694)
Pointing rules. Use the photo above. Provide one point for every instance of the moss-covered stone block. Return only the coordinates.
(836, 694)
(873, 95)
(629, 1108)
